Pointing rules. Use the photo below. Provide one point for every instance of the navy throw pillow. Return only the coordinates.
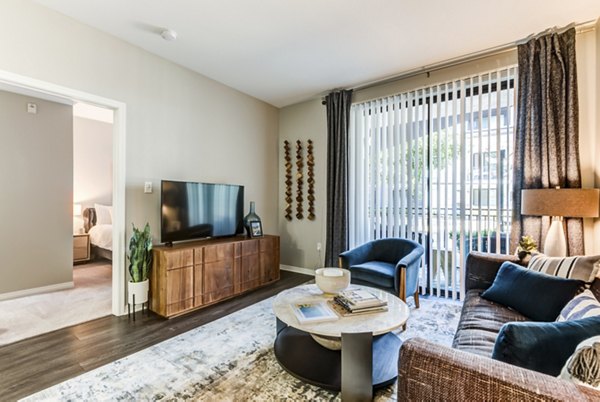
(542, 346)
(538, 296)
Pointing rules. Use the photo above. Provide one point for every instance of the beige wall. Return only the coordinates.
(180, 125)
(36, 162)
(92, 162)
(299, 238)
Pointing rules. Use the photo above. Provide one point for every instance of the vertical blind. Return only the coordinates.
(434, 165)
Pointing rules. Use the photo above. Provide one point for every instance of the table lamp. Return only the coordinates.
(559, 203)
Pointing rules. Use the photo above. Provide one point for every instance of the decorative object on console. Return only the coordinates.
(250, 218)
(288, 180)
(332, 280)
(559, 203)
(256, 229)
(310, 163)
(299, 180)
(140, 262)
(527, 246)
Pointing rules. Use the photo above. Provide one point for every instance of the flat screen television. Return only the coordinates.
(198, 210)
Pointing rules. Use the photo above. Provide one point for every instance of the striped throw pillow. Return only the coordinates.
(584, 305)
(583, 268)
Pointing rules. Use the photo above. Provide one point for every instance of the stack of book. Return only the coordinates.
(359, 301)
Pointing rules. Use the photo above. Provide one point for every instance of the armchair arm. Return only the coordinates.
(481, 268)
(410, 258)
(355, 256)
(431, 372)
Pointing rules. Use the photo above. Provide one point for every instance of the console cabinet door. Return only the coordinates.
(218, 272)
(269, 259)
(180, 290)
(250, 265)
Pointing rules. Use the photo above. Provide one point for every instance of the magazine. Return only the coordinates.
(311, 312)
(344, 312)
(359, 298)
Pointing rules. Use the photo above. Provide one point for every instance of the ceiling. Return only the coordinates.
(287, 51)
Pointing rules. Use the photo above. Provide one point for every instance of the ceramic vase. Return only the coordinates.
(251, 217)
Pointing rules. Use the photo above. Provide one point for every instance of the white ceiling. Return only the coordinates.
(286, 51)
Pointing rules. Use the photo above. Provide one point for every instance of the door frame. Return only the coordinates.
(50, 91)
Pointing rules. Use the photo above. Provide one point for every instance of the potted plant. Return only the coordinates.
(526, 248)
(140, 262)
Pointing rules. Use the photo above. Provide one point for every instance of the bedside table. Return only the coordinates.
(81, 247)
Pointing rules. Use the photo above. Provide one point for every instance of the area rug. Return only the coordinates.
(230, 359)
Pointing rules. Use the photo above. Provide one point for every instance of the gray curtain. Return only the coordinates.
(547, 132)
(338, 119)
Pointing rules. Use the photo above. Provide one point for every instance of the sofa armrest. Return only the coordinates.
(433, 372)
(481, 268)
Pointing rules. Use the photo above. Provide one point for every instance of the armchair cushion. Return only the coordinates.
(538, 296)
(378, 272)
(543, 346)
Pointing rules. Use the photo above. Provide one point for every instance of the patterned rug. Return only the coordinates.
(229, 359)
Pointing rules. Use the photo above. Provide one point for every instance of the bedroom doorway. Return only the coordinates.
(57, 93)
(92, 207)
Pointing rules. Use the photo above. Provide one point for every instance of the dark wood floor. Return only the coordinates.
(37, 363)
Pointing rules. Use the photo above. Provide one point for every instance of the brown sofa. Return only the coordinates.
(432, 372)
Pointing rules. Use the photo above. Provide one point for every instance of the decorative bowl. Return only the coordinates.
(332, 280)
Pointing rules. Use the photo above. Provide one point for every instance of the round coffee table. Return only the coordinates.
(369, 351)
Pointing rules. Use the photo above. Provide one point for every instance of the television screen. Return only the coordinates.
(196, 210)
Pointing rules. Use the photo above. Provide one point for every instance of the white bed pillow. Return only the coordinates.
(103, 214)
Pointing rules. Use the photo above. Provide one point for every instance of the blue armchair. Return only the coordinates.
(390, 264)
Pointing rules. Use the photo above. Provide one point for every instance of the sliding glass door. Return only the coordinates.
(434, 165)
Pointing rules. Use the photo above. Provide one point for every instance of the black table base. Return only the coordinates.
(300, 355)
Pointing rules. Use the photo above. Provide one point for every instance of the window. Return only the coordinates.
(434, 165)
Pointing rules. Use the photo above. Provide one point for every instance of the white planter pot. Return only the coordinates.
(140, 290)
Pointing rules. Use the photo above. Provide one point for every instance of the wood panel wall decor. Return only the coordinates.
(310, 163)
(288, 180)
(299, 180)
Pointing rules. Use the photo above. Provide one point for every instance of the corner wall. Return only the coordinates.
(299, 238)
(36, 178)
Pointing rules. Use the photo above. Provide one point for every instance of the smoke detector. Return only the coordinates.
(168, 35)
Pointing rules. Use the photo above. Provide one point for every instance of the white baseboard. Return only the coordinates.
(35, 291)
(291, 268)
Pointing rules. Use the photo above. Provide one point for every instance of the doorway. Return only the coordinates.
(45, 90)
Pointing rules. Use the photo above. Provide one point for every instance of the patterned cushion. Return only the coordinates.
(583, 305)
(583, 268)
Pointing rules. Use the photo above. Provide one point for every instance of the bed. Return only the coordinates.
(100, 234)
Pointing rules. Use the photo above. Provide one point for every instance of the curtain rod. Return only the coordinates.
(496, 50)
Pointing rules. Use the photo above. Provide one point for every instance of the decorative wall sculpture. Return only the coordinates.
(288, 180)
(310, 163)
(310, 173)
(299, 181)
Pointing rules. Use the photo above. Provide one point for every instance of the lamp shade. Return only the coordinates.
(76, 209)
(569, 202)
